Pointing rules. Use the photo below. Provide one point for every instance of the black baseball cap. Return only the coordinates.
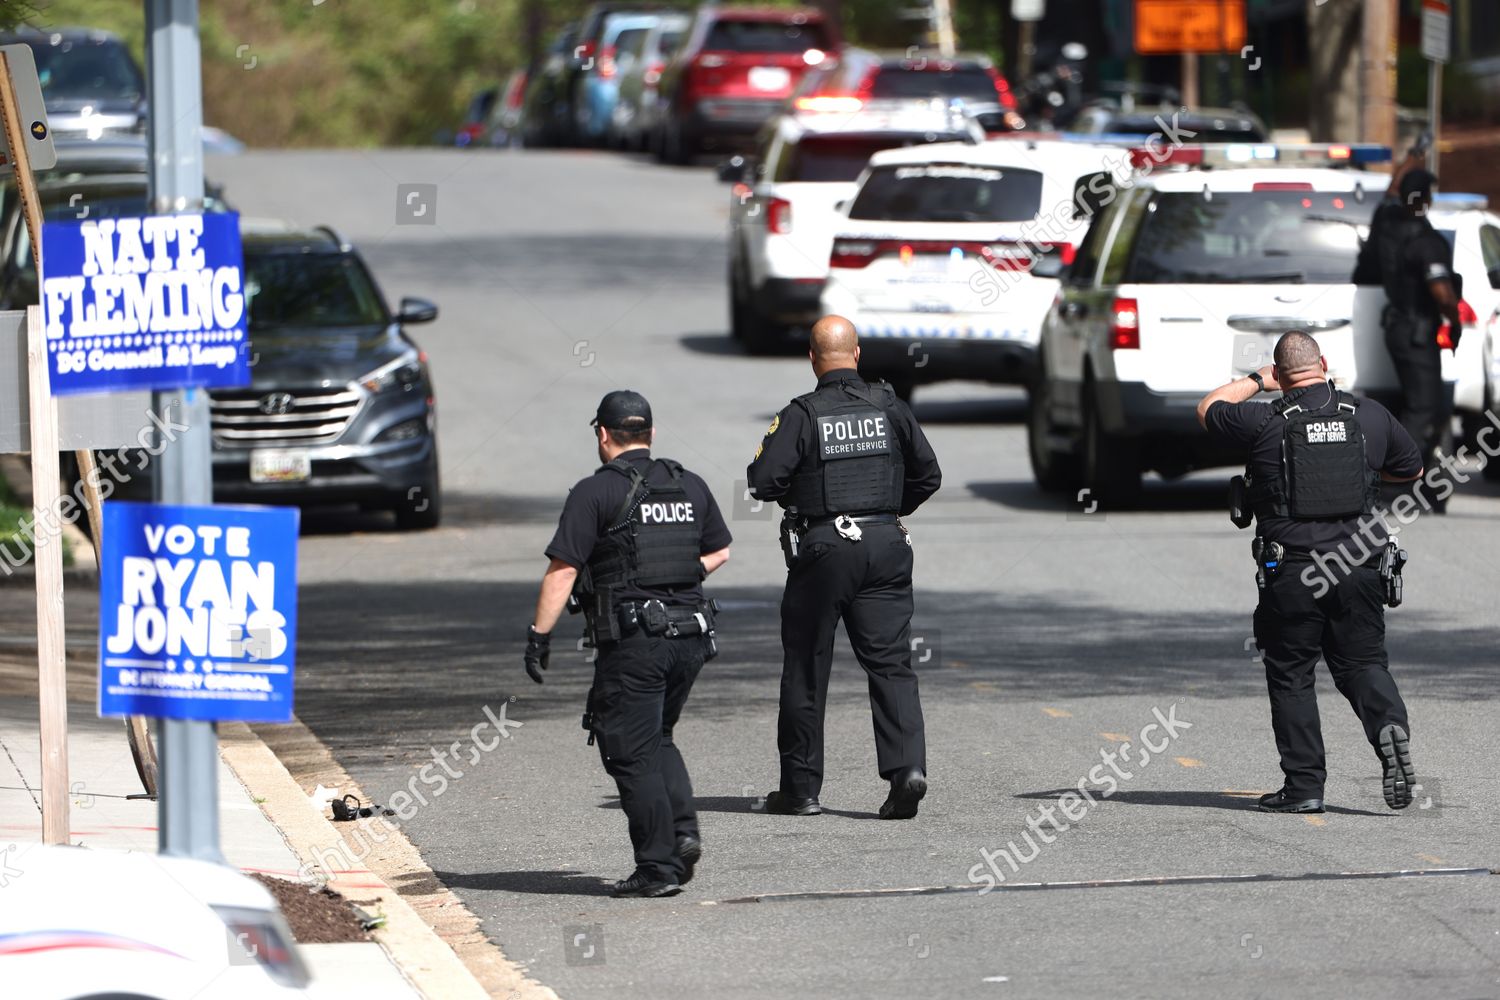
(623, 409)
(1417, 182)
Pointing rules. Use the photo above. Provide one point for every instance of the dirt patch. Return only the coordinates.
(316, 915)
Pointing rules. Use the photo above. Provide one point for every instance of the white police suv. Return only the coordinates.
(782, 206)
(947, 257)
(1474, 233)
(1186, 280)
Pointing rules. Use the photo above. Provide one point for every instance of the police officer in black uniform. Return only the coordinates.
(634, 544)
(1325, 565)
(845, 460)
(1415, 265)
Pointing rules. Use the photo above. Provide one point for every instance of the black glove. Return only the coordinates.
(538, 652)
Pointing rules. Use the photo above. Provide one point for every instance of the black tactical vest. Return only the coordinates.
(1324, 473)
(654, 540)
(855, 467)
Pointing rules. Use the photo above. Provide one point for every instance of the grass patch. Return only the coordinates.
(14, 534)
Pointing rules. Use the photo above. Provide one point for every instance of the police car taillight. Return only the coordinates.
(1125, 331)
(852, 253)
(779, 216)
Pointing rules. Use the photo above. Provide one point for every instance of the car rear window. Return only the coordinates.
(948, 192)
(764, 36)
(1192, 131)
(841, 158)
(970, 83)
(1252, 237)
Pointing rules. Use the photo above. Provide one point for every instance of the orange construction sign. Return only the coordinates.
(1168, 27)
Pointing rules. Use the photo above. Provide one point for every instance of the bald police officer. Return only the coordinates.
(634, 544)
(1324, 558)
(844, 461)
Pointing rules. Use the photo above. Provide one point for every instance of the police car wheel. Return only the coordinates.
(1111, 465)
(1054, 471)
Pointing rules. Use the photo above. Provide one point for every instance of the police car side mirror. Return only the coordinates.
(415, 310)
(841, 207)
(736, 168)
(1495, 277)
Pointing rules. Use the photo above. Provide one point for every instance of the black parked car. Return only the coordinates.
(340, 408)
(90, 83)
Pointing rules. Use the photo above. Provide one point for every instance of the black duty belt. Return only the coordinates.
(1294, 554)
(857, 519)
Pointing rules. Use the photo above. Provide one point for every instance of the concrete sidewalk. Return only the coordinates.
(103, 816)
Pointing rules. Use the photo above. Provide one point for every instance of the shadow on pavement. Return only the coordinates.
(1192, 800)
(1157, 497)
(755, 805)
(560, 883)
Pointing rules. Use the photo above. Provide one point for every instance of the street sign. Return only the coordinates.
(1028, 10)
(31, 108)
(1169, 27)
(1437, 22)
(198, 612)
(153, 303)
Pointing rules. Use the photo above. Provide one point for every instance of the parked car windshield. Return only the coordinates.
(85, 68)
(1250, 237)
(309, 290)
(948, 192)
(840, 158)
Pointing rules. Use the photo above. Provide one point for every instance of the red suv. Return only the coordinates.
(736, 70)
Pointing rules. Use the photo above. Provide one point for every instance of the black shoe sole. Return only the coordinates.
(690, 858)
(653, 890)
(904, 801)
(1395, 757)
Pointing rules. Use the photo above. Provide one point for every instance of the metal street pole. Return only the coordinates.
(189, 752)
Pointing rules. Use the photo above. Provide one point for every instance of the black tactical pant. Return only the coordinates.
(867, 584)
(1412, 341)
(1303, 613)
(640, 686)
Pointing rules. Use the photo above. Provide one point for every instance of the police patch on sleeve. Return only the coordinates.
(853, 434)
(1438, 272)
(775, 425)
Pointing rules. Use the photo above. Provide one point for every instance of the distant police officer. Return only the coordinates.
(845, 460)
(635, 541)
(1325, 565)
(1415, 266)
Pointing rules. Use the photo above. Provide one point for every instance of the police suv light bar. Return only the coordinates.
(1247, 154)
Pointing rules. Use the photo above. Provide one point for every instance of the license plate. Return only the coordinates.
(769, 78)
(931, 306)
(279, 466)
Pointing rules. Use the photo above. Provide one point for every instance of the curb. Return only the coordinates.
(431, 936)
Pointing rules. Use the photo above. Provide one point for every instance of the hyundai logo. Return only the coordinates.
(277, 403)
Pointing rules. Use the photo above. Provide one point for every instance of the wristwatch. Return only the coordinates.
(1255, 377)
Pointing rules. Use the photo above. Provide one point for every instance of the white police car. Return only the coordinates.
(782, 206)
(947, 257)
(78, 922)
(1185, 281)
(1474, 233)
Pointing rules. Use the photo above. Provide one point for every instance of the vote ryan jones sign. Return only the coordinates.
(198, 612)
(149, 303)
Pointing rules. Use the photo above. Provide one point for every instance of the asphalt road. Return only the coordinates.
(1049, 635)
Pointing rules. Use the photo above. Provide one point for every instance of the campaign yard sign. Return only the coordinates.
(150, 303)
(198, 612)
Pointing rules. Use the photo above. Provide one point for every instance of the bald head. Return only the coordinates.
(1298, 359)
(834, 344)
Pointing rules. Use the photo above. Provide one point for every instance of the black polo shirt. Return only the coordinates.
(1252, 425)
(1409, 253)
(594, 502)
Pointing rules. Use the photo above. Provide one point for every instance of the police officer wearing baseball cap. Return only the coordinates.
(633, 546)
(845, 460)
(1325, 564)
(1414, 263)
